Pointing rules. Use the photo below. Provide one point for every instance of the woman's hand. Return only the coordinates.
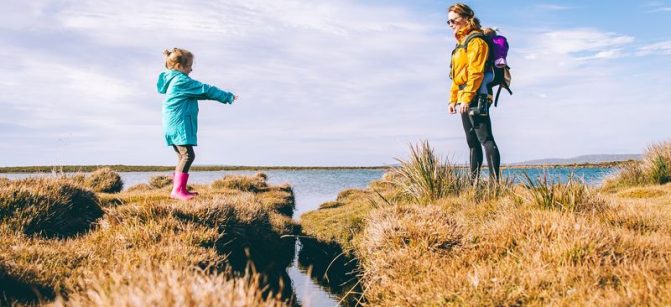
(464, 108)
(235, 97)
(453, 108)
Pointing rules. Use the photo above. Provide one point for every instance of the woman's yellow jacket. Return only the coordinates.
(468, 66)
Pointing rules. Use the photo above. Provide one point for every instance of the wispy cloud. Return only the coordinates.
(553, 7)
(657, 6)
(663, 48)
(581, 40)
(661, 9)
(566, 55)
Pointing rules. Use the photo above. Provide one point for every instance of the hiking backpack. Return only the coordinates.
(496, 61)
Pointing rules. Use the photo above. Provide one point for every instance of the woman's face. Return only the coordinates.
(455, 21)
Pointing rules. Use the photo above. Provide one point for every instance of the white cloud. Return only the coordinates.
(55, 90)
(580, 40)
(337, 82)
(562, 56)
(332, 71)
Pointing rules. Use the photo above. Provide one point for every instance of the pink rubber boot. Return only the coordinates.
(186, 188)
(179, 187)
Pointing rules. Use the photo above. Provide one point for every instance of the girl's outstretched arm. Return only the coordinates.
(193, 88)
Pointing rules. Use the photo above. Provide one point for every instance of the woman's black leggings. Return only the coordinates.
(478, 134)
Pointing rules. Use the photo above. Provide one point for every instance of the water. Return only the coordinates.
(314, 187)
(591, 176)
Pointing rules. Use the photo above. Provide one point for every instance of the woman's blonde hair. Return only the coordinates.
(178, 58)
(467, 13)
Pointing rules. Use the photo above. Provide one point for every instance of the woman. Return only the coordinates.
(468, 73)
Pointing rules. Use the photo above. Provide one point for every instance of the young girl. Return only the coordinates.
(180, 112)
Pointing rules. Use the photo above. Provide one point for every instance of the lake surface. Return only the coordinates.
(314, 187)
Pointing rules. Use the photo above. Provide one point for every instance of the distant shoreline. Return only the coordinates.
(156, 168)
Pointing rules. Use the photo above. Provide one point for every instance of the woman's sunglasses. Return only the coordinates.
(453, 20)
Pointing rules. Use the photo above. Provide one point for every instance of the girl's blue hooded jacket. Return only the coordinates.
(180, 107)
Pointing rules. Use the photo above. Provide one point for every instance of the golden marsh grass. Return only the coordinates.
(143, 246)
(540, 243)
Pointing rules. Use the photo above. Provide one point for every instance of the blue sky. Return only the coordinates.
(325, 82)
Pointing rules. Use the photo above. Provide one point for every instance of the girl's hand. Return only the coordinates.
(235, 97)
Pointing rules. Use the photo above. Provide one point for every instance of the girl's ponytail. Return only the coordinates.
(177, 58)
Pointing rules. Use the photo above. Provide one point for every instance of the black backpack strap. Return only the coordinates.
(498, 92)
(496, 100)
(470, 37)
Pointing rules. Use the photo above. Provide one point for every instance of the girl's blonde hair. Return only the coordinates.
(467, 13)
(178, 58)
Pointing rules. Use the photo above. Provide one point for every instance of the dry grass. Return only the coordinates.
(655, 168)
(217, 231)
(160, 181)
(539, 243)
(651, 191)
(140, 187)
(573, 195)
(338, 222)
(48, 207)
(254, 183)
(104, 180)
(426, 177)
(167, 285)
(516, 253)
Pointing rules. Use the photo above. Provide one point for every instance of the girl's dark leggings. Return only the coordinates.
(479, 134)
(185, 157)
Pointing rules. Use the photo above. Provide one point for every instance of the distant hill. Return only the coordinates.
(581, 160)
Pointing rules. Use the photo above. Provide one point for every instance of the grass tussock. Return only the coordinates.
(426, 177)
(254, 183)
(159, 182)
(655, 168)
(217, 231)
(486, 191)
(573, 195)
(48, 207)
(337, 223)
(397, 228)
(278, 198)
(104, 180)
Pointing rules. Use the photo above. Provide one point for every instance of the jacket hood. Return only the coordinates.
(165, 78)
